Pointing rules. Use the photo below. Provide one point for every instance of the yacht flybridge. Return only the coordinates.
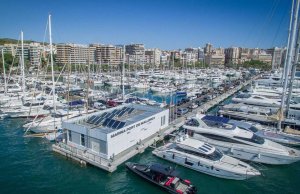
(205, 158)
(238, 142)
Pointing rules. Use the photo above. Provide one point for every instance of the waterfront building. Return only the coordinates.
(244, 55)
(232, 55)
(92, 58)
(208, 48)
(105, 138)
(72, 53)
(135, 53)
(276, 56)
(214, 57)
(152, 56)
(109, 54)
(262, 56)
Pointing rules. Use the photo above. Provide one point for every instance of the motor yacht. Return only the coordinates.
(205, 158)
(237, 142)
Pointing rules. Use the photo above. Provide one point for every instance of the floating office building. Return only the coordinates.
(110, 137)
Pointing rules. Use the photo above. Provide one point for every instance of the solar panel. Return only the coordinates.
(123, 108)
(91, 119)
(95, 120)
(121, 113)
(115, 124)
(118, 112)
(99, 120)
(114, 111)
(126, 109)
(108, 115)
(106, 122)
(121, 125)
(104, 114)
(112, 116)
(130, 111)
(112, 121)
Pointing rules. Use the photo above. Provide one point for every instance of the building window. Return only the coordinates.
(82, 139)
(162, 120)
(70, 135)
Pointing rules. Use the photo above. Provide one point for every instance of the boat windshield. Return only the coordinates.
(216, 155)
(253, 129)
(192, 122)
(254, 139)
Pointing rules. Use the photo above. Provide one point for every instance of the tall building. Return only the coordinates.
(72, 53)
(135, 54)
(214, 56)
(92, 53)
(152, 56)
(232, 55)
(276, 56)
(262, 56)
(109, 54)
(208, 48)
(244, 55)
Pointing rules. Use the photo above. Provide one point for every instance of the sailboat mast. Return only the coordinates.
(295, 62)
(4, 74)
(51, 59)
(289, 60)
(22, 64)
(123, 72)
(288, 41)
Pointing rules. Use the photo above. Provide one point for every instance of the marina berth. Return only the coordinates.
(205, 158)
(237, 142)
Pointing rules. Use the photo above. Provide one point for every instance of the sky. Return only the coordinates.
(165, 24)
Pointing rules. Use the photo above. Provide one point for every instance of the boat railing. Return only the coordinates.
(83, 154)
(258, 166)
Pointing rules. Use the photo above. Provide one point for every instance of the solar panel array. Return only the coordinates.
(107, 118)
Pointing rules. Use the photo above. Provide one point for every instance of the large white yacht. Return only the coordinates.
(205, 158)
(256, 100)
(238, 142)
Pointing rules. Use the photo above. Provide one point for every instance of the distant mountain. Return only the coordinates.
(14, 41)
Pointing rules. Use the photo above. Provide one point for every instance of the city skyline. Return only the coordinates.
(160, 24)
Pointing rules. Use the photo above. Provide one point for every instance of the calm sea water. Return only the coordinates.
(29, 166)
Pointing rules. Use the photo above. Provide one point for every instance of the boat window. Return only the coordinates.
(216, 155)
(220, 138)
(253, 129)
(192, 122)
(254, 139)
(82, 139)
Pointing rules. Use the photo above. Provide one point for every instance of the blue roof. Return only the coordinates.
(216, 119)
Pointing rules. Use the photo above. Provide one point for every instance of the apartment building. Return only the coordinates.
(109, 54)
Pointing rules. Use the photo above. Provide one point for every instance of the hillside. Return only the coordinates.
(13, 41)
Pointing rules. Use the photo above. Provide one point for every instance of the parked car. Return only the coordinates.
(99, 105)
(182, 111)
(112, 103)
(185, 100)
(193, 106)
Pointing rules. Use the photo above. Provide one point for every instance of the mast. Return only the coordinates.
(87, 87)
(4, 74)
(289, 59)
(294, 65)
(288, 41)
(22, 64)
(123, 72)
(51, 59)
